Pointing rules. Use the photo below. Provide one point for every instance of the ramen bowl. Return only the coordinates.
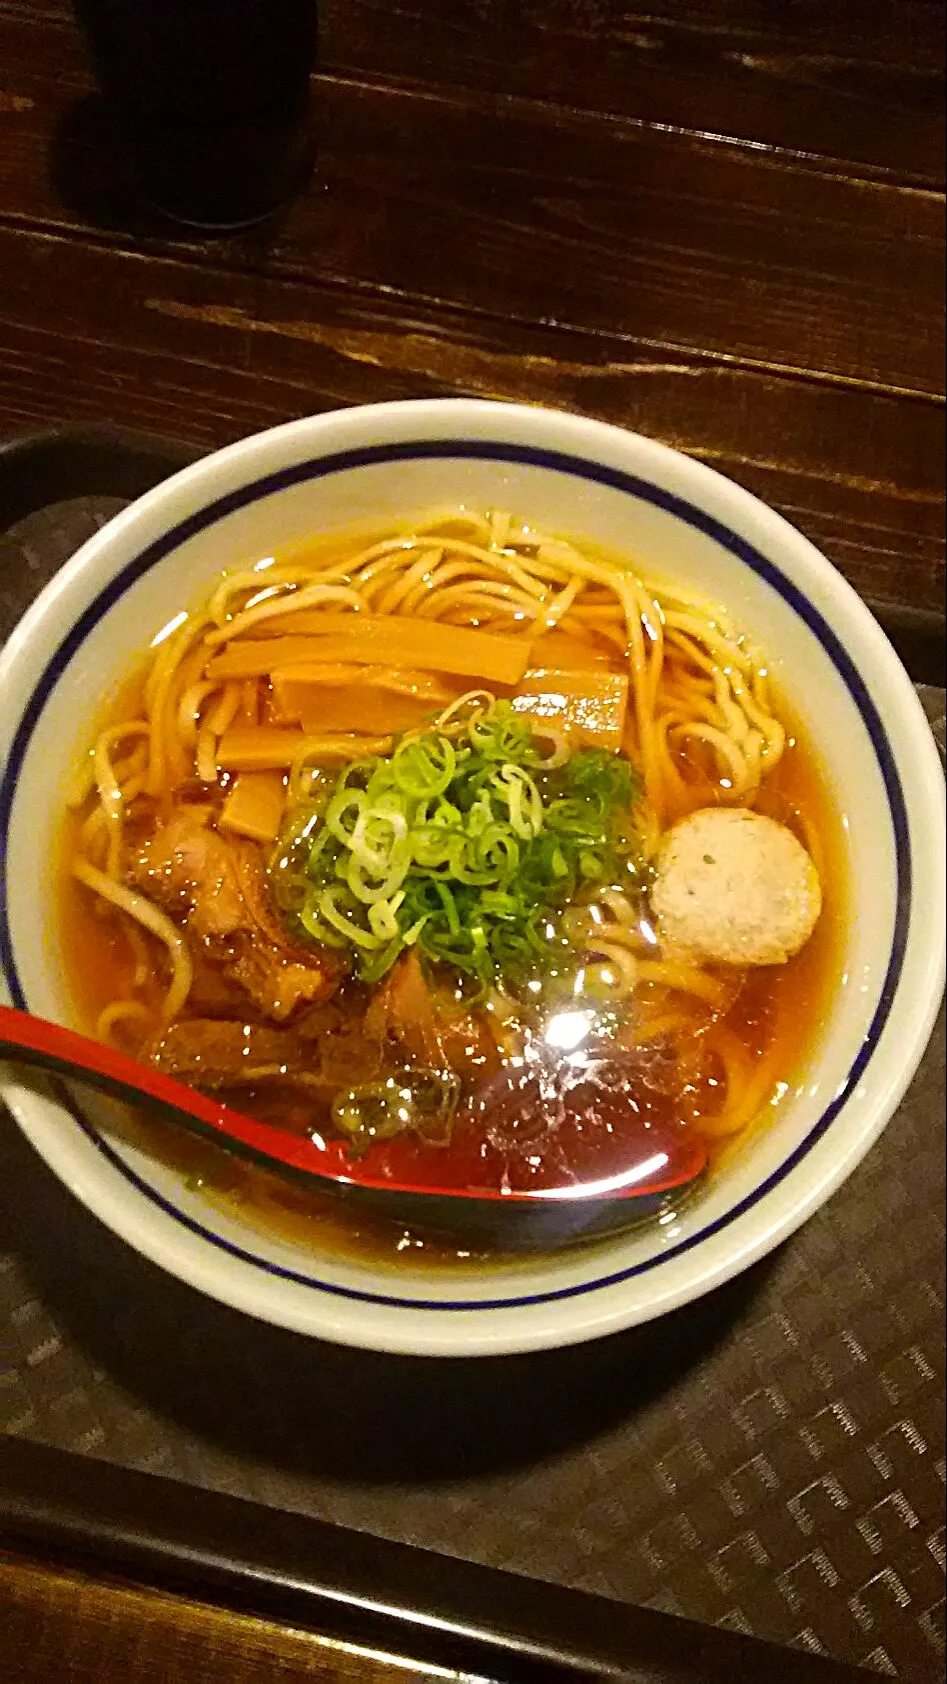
(673, 518)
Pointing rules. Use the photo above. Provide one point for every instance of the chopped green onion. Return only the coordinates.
(423, 1102)
(424, 766)
(344, 811)
(466, 846)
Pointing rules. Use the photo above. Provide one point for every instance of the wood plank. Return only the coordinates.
(903, 34)
(93, 334)
(652, 236)
(60, 1623)
(813, 80)
(539, 215)
(810, 78)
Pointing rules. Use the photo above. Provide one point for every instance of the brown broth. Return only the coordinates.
(779, 1013)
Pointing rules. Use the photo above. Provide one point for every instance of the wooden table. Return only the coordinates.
(719, 222)
(716, 221)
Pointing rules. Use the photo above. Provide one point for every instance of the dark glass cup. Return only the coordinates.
(213, 100)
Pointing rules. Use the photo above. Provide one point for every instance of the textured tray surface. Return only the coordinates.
(771, 1459)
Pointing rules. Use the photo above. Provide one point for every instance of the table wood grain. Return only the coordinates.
(720, 224)
(77, 1627)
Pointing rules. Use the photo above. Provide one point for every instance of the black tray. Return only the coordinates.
(760, 1341)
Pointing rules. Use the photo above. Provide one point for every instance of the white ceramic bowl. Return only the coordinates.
(674, 517)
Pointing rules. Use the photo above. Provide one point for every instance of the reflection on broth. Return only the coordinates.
(464, 847)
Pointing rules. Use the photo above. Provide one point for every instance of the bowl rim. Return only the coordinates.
(528, 422)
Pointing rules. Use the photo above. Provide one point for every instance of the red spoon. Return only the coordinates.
(667, 1164)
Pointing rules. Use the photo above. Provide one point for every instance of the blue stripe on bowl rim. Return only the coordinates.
(580, 468)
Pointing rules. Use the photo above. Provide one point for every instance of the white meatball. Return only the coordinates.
(735, 888)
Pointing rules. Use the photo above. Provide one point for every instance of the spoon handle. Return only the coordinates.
(40, 1045)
